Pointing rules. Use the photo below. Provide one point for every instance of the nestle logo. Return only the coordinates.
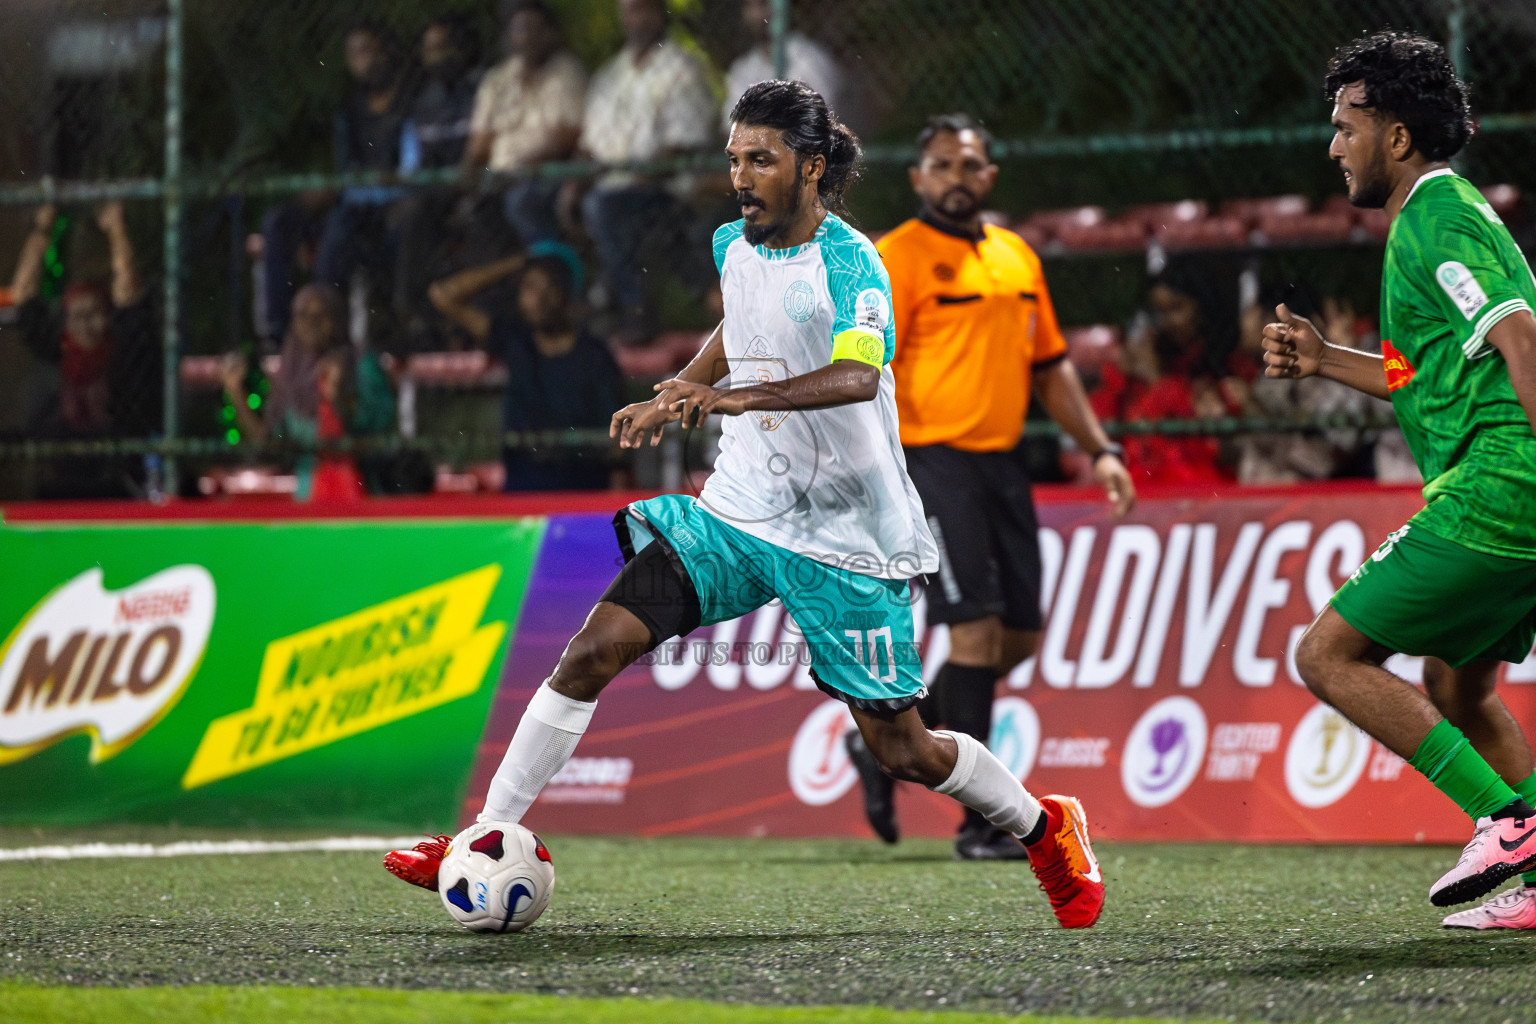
(165, 604)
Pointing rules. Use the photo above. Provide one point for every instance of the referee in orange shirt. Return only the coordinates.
(975, 330)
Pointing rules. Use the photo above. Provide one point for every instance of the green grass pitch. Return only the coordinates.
(799, 930)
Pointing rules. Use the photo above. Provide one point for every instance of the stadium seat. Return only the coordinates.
(1252, 210)
(465, 370)
(1091, 346)
(1043, 228)
(1218, 232)
(1505, 200)
(664, 356)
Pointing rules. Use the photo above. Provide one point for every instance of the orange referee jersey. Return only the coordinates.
(973, 318)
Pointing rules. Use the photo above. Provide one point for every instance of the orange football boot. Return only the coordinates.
(1065, 865)
(419, 864)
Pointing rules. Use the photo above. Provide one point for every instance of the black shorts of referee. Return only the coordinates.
(981, 509)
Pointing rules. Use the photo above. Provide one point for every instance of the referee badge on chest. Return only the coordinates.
(799, 301)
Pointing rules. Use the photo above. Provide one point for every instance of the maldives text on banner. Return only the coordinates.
(1163, 695)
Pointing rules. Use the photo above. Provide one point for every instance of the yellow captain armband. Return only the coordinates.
(859, 345)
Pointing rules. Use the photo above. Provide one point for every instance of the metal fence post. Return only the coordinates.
(171, 313)
(779, 28)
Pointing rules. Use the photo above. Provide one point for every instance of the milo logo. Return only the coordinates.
(108, 663)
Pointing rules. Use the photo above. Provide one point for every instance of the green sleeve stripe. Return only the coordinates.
(859, 345)
(1478, 340)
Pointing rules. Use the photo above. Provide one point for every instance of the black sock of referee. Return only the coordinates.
(964, 695)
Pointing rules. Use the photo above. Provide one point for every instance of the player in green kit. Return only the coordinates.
(1457, 583)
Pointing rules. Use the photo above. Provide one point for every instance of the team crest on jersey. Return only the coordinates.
(799, 302)
(1399, 370)
(943, 271)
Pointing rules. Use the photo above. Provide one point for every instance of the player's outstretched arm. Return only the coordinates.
(632, 423)
(1294, 348)
(1515, 338)
(1061, 392)
(843, 382)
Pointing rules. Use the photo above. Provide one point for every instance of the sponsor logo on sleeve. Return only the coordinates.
(107, 663)
(356, 673)
(872, 312)
(1457, 281)
(1399, 370)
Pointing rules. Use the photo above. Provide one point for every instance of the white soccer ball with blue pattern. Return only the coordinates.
(496, 877)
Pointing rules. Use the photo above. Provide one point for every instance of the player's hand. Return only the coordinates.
(1109, 471)
(633, 422)
(43, 218)
(695, 402)
(1292, 347)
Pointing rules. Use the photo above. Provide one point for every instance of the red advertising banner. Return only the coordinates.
(1164, 694)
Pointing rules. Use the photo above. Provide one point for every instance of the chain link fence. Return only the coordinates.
(1166, 135)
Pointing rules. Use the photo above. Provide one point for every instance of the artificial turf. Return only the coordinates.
(1191, 931)
(264, 1004)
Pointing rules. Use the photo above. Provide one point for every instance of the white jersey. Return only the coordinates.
(830, 484)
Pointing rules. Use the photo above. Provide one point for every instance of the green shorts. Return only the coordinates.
(1421, 594)
(858, 629)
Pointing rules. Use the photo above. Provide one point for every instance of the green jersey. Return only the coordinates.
(1451, 273)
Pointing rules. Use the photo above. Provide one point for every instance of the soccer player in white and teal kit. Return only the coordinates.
(1457, 583)
(809, 503)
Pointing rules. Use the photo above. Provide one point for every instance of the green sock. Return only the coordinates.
(1446, 759)
(1527, 792)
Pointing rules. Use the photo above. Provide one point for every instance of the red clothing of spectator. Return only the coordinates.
(1151, 458)
(336, 478)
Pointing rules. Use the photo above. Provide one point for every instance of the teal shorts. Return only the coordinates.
(858, 629)
(1421, 594)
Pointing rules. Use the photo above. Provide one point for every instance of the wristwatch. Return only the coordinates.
(1118, 451)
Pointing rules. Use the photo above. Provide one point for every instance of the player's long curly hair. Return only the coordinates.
(808, 128)
(1409, 78)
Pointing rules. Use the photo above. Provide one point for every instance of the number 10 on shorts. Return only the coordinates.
(866, 651)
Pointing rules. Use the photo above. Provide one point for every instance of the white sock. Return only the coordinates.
(545, 739)
(986, 786)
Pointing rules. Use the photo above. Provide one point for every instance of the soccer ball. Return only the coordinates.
(496, 877)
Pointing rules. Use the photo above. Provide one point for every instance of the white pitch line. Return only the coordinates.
(202, 848)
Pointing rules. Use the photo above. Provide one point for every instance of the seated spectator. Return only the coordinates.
(435, 135)
(650, 102)
(560, 377)
(805, 61)
(528, 111)
(1160, 374)
(321, 392)
(366, 137)
(106, 345)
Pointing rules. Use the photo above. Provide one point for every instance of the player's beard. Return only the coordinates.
(761, 234)
(1372, 185)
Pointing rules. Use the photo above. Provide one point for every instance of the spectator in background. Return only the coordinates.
(805, 61)
(436, 132)
(366, 137)
(527, 111)
(560, 377)
(107, 349)
(1163, 373)
(321, 391)
(650, 102)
